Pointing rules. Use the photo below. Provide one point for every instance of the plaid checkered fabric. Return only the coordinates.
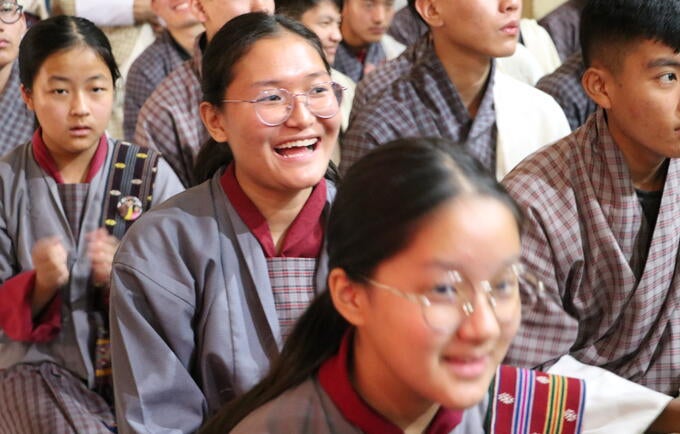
(147, 71)
(406, 27)
(47, 398)
(73, 198)
(17, 122)
(293, 282)
(564, 84)
(584, 233)
(424, 102)
(350, 65)
(169, 120)
(377, 81)
(563, 26)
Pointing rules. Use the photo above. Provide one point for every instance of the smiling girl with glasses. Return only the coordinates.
(207, 288)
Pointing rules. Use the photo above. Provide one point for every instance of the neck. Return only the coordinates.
(5, 72)
(73, 168)
(186, 36)
(383, 391)
(354, 43)
(648, 177)
(278, 208)
(468, 71)
(647, 169)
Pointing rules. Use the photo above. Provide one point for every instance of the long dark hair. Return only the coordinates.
(233, 41)
(56, 34)
(379, 206)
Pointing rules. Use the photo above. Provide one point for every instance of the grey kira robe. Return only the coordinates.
(585, 237)
(30, 209)
(193, 320)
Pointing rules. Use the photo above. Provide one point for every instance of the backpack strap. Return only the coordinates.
(129, 186)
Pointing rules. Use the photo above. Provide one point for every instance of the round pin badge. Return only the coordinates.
(129, 207)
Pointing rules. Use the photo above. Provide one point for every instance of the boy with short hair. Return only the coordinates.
(365, 43)
(602, 207)
(173, 45)
(17, 122)
(455, 90)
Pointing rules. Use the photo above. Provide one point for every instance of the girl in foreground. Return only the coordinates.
(65, 201)
(422, 303)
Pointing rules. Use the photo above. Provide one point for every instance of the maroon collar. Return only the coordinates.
(334, 378)
(46, 162)
(304, 238)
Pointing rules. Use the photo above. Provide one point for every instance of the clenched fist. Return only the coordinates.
(100, 249)
(51, 270)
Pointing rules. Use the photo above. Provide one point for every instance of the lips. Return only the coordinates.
(467, 367)
(512, 28)
(80, 130)
(297, 148)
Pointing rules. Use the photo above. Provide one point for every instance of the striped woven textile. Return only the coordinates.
(532, 402)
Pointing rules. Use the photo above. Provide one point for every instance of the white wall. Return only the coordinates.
(538, 8)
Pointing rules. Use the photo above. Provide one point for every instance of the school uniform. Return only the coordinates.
(564, 84)
(17, 122)
(170, 121)
(201, 301)
(563, 24)
(147, 71)
(353, 64)
(610, 271)
(519, 401)
(513, 119)
(58, 345)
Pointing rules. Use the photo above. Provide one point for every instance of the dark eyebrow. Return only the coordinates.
(664, 62)
(68, 80)
(277, 83)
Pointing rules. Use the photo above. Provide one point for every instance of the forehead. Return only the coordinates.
(285, 57)
(78, 61)
(473, 234)
(645, 55)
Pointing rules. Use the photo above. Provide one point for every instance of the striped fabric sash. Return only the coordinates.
(531, 402)
(129, 193)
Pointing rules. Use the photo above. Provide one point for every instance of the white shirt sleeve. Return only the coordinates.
(111, 13)
(613, 404)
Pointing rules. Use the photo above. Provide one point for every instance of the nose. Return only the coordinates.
(335, 35)
(510, 5)
(480, 323)
(79, 105)
(379, 13)
(300, 116)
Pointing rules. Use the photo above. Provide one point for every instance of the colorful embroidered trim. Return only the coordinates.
(531, 402)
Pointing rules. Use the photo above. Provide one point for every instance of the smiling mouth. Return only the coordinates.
(297, 148)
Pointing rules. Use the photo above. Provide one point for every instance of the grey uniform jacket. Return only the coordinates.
(193, 320)
(30, 209)
(307, 409)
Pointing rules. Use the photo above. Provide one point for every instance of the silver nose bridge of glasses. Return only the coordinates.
(469, 294)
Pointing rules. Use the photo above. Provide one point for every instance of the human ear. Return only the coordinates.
(596, 82)
(349, 297)
(212, 119)
(429, 12)
(27, 96)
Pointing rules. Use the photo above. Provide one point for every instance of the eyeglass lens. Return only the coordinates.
(502, 294)
(275, 106)
(9, 12)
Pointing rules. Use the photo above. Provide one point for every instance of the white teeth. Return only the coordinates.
(297, 144)
(182, 7)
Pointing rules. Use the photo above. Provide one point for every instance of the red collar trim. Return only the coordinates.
(334, 378)
(46, 162)
(305, 235)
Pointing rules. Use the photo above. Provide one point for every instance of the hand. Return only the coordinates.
(51, 271)
(101, 247)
